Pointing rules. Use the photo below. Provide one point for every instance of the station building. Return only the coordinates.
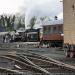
(52, 32)
(69, 21)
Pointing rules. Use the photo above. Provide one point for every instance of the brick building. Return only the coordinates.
(52, 32)
(69, 21)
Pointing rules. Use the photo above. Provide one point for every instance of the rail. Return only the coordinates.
(34, 64)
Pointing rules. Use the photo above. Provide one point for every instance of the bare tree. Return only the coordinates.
(7, 22)
(42, 18)
(32, 22)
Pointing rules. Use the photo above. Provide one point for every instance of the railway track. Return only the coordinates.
(5, 71)
(28, 63)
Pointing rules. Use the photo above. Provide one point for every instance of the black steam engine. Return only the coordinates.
(30, 35)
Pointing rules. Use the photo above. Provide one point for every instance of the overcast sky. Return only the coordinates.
(31, 8)
(48, 8)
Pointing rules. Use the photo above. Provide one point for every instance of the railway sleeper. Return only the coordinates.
(63, 74)
(36, 56)
(48, 66)
(33, 66)
(25, 66)
(58, 70)
(41, 64)
(40, 61)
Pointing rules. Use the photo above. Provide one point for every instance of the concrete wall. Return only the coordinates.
(69, 21)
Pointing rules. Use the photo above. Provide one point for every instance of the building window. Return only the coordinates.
(54, 29)
(44, 29)
(60, 29)
(49, 29)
